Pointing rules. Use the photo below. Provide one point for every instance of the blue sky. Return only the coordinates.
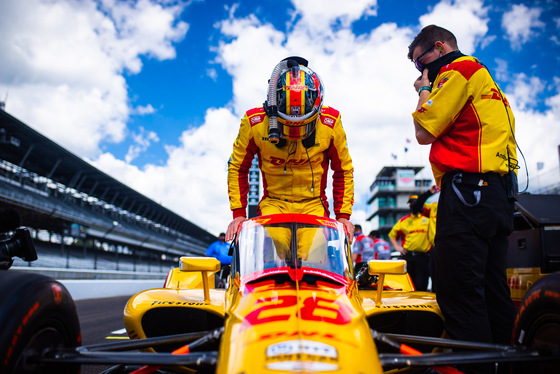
(152, 92)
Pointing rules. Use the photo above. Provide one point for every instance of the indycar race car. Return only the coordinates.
(292, 305)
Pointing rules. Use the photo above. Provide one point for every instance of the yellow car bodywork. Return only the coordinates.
(316, 321)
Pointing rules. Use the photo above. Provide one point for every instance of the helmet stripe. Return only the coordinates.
(288, 92)
(302, 93)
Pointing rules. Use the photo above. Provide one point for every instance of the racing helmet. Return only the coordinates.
(299, 98)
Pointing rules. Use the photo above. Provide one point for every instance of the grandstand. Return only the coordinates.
(81, 218)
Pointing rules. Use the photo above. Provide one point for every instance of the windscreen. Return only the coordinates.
(276, 248)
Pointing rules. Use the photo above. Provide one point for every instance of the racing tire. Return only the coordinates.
(537, 324)
(37, 316)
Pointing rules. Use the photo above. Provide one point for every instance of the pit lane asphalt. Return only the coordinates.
(99, 318)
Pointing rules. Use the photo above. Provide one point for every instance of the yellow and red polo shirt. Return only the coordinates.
(412, 231)
(468, 115)
(291, 172)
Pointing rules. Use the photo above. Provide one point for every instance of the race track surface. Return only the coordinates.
(101, 321)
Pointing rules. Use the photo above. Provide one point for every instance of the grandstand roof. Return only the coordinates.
(22, 146)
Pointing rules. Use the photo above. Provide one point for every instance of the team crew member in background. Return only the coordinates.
(295, 139)
(429, 210)
(362, 250)
(467, 120)
(412, 233)
(380, 247)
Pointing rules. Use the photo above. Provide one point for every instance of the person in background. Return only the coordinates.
(220, 249)
(429, 210)
(362, 249)
(381, 248)
(409, 237)
(468, 121)
(362, 252)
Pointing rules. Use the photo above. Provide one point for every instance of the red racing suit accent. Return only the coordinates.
(292, 172)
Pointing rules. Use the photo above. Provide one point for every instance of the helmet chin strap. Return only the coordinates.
(310, 140)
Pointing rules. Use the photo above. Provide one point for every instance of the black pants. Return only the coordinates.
(470, 260)
(417, 266)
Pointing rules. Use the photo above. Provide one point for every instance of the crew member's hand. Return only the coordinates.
(233, 227)
(434, 189)
(348, 228)
(422, 80)
(401, 250)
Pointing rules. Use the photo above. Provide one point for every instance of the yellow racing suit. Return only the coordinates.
(294, 177)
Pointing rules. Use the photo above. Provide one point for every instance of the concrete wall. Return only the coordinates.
(60, 273)
(90, 284)
(95, 289)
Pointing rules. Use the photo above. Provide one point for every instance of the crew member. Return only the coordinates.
(409, 236)
(467, 119)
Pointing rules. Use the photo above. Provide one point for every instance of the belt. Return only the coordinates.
(293, 201)
(413, 253)
(474, 179)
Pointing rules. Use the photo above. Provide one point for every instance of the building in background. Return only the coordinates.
(253, 196)
(389, 194)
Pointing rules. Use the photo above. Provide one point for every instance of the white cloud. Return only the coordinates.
(521, 24)
(193, 182)
(538, 137)
(142, 141)
(142, 110)
(536, 130)
(318, 13)
(62, 63)
(466, 19)
(212, 73)
(526, 89)
(501, 70)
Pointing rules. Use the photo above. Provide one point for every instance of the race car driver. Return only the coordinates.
(295, 139)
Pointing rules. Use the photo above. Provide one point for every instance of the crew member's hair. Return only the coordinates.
(374, 233)
(357, 227)
(429, 36)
